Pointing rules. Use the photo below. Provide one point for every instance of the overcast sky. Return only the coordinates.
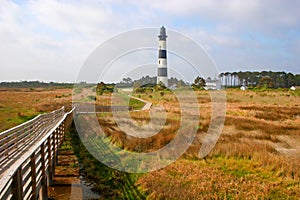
(50, 40)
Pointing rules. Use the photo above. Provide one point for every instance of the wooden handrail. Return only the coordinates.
(14, 138)
(28, 159)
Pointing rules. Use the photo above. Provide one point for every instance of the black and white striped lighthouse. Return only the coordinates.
(162, 71)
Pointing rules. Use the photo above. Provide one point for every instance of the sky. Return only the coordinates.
(51, 40)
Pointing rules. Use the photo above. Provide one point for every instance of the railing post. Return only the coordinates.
(62, 133)
(17, 185)
(54, 161)
(64, 129)
(44, 190)
(58, 136)
(33, 130)
(51, 174)
(33, 175)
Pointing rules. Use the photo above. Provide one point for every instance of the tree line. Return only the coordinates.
(33, 84)
(268, 79)
(149, 81)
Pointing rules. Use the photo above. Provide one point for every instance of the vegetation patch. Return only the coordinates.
(217, 178)
(110, 183)
(248, 124)
(244, 164)
(136, 104)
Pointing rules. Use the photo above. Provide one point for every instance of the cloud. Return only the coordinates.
(69, 18)
(255, 12)
(47, 37)
(57, 36)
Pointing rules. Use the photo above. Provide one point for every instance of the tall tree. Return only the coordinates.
(278, 79)
(199, 83)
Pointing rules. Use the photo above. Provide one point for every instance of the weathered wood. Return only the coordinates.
(33, 175)
(51, 174)
(43, 193)
(29, 153)
(17, 185)
(7, 191)
(54, 161)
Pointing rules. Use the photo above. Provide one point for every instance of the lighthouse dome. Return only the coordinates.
(162, 33)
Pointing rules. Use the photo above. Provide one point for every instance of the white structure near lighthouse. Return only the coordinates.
(162, 70)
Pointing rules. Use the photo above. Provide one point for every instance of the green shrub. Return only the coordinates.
(92, 98)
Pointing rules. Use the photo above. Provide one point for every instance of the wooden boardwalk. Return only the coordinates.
(28, 155)
(147, 105)
(28, 152)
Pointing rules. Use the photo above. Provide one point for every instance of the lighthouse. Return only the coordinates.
(162, 71)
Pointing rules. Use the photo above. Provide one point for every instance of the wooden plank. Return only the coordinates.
(6, 192)
(27, 193)
(38, 180)
(25, 166)
(49, 158)
(33, 175)
(44, 186)
(26, 177)
(13, 134)
(14, 144)
(18, 127)
(17, 185)
(38, 169)
(46, 130)
(27, 185)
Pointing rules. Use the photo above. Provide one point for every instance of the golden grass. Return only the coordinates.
(245, 163)
(19, 105)
(250, 124)
(274, 113)
(217, 178)
(131, 143)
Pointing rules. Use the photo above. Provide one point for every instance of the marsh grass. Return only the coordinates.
(273, 113)
(218, 178)
(21, 104)
(250, 124)
(127, 142)
(244, 164)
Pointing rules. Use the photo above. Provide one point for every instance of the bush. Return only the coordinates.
(92, 98)
(139, 90)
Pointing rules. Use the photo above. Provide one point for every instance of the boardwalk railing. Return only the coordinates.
(28, 155)
(91, 108)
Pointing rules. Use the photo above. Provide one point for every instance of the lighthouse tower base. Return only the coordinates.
(163, 80)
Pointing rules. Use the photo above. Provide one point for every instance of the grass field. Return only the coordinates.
(19, 105)
(256, 157)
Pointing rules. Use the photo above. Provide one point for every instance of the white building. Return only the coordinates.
(212, 84)
(295, 88)
(243, 87)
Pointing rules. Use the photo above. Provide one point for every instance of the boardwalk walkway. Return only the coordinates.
(147, 105)
(28, 155)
